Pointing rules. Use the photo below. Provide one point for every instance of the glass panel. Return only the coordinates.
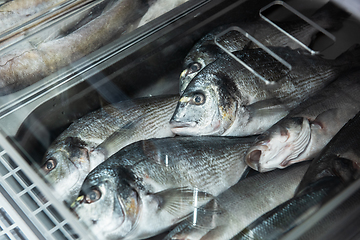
(59, 235)
(39, 195)
(12, 164)
(55, 214)
(24, 178)
(5, 218)
(4, 237)
(45, 220)
(14, 184)
(3, 169)
(29, 201)
(18, 234)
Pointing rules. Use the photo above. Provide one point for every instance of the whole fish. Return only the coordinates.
(306, 130)
(205, 51)
(336, 167)
(227, 99)
(280, 220)
(23, 67)
(153, 184)
(241, 204)
(96, 136)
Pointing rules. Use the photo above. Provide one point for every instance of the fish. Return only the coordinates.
(340, 157)
(280, 220)
(159, 8)
(91, 139)
(23, 67)
(339, 223)
(235, 208)
(15, 12)
(306, 130)
(226, 99)
(153, 184)
(205, 51)
(328, 174)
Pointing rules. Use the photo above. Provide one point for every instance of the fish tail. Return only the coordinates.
(330, 16)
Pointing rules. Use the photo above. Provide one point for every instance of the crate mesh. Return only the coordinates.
(24, 211)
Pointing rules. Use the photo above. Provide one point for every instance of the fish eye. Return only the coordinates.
(93, 196)
(49, 165)
(194, 67)
(198, 99)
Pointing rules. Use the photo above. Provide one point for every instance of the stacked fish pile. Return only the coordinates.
(126, 176)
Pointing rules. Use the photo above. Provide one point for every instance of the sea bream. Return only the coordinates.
(340, 157)
(205, 51)
(227, 99)
(99, 134)
(308, 128)
(153, 184)
(336, 167)
(241, 204)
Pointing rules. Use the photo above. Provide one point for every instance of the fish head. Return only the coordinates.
(279, 146)
(197, 59)
(203, 109)
(189, 73)
(108, 205)
(66, 164)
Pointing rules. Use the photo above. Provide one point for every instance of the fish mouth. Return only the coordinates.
(178, 126)
(253, 157)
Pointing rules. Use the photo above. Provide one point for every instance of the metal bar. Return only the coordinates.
(262, 46)
(300, 15)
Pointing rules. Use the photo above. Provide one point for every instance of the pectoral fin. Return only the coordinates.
(178, 201)
(119, 139)
(198, 225)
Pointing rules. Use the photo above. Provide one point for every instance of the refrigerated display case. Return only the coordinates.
(145, 61)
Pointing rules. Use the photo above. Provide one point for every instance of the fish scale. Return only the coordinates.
(104, 132)
(163, 176)
(281, 219)
(205, 51)
(324, 114)
(230, 92)
(241, 204)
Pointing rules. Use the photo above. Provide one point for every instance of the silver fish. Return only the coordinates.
(241, 204)
(339, 223)
(227, 99)
(280, 220)
(308, 128)
(205, 51)
(23, 67)
(153, 184)
(96, 136)
(334, 169)
(340, 157)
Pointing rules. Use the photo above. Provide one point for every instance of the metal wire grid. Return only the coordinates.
(35, 210)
